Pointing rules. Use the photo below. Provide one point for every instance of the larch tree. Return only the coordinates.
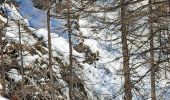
(52, 90)
(2, 26)
(70, 49)
(22, 62)
(125, 52)
(151, 44)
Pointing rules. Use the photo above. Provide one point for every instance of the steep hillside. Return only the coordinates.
(97, 67)
(88, 64)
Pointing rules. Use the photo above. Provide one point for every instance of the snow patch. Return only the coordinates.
(13, 13)
(13, 74)
(59, 44)
(2, 98)
(28, 59)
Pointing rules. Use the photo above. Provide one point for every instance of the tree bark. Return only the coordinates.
(125, 51)
(21, 59)
(153, 68)
(70, 49)
(50, 51)
(2, 65)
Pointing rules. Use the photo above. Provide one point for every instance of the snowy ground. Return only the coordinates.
(2, 98)
(102, 78)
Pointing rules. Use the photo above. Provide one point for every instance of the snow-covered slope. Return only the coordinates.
(99, 79)
(97, 76)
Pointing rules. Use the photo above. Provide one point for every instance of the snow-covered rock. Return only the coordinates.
(2, 98)
(13, 74)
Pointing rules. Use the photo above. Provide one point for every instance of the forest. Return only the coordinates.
(84, 49)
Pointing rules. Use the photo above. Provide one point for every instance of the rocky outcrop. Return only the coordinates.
(41, 4)
(90, 57)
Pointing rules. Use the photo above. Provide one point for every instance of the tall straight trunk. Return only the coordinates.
(152, 66)
(2, 58)
(70, 49)
(2, 65)
(125, 50)
(50, 51)
(160, 50)
(22, 65)
(169, 7)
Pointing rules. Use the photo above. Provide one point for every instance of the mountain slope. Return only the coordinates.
(35, 60)
(97, 76)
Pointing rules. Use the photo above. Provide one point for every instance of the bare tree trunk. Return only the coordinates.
(2, 58)
(70, 48)
(151, 35)
(50, 51)
(169, 8)
(60, 5)
(2, 65)
(22, 66)
(125, 50)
